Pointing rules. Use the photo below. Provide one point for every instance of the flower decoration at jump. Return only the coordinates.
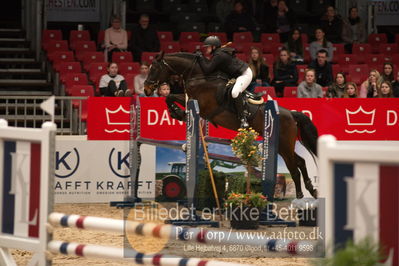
(255, 200)
(244, 146)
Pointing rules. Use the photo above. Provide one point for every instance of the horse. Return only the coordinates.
(204, 89)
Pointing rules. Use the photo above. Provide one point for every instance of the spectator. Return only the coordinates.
(353, 30)
(163, 90)
(270, 16)
(140, 78)
(176, 85)
(223, 9)
(285, 73)
(351, 90)
(332, 25)
(255, 9)
(337, 89)
(238, 20)
(144, 38)
(309, 88)
(113, 84)
(387, 73)
(323, 68)
(259, 69)
(395, 86)
(321, 43)
(294, 46)
(115, 39)
(385, 90)
(368, 89)
(285, 21)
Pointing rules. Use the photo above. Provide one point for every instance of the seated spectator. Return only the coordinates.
(368, 89)
(294, 46)
(115, 39)
(270, 11)
(140, 78)
(144, 38)
(163, 90)
(285, 20)
(113, 84)
(351, 90)
(309, 88)
(385, 90)
(176, 85)
(353, 30)
(323, 68)
(387, 73)
(285, 73)
(395, 86)
(321, 43)
(337, 88)
(238, 20)
(331, 24)
(223, 9)
(260, 70)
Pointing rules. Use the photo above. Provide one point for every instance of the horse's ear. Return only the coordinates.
(160, 55)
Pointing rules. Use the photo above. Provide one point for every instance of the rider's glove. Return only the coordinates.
(198, 53)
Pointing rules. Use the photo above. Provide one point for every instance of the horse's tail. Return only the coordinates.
(307, 133)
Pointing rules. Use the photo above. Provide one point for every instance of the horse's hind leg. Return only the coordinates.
(301, 163)
(291, 163)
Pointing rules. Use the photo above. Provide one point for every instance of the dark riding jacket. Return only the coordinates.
(223, 60)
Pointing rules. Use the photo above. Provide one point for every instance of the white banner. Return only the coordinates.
(73, 10)
(98, 171)
(386, 12)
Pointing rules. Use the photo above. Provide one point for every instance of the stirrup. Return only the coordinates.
(254, 96)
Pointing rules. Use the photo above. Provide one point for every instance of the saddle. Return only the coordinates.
(246, 102)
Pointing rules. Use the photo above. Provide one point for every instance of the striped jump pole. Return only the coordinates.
(167, 231)
(124, 254)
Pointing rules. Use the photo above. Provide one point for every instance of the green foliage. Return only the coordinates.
(364, 253)
(204, 192)
(256, 200)
(237, 184)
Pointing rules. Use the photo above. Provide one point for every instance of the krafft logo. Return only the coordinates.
(361, 118)
(119, 163)
(66, 163)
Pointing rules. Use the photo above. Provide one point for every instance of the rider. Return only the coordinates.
(224, 60)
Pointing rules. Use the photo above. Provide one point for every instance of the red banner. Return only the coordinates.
(108, 118)
(156, 123)
(346, 119)
(351, 119)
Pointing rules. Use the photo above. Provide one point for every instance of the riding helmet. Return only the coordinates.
(212, 41)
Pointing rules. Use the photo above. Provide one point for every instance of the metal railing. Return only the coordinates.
(25, 111)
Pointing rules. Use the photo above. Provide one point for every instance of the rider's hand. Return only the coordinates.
(198, 53)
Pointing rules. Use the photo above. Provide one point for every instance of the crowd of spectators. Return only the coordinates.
(268, 16)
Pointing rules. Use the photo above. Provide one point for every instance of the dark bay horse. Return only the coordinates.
(204, 90)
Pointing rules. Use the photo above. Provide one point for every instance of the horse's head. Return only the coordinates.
(157, 75)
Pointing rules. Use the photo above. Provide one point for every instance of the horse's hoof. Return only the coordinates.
(315, 193)
(299, 195)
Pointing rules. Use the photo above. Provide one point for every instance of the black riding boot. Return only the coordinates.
(242, 112)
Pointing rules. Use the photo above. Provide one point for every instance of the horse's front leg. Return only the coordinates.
(174, 110)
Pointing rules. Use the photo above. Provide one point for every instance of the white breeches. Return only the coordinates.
(242, 83)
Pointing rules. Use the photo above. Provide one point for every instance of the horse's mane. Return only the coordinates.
(182, 55)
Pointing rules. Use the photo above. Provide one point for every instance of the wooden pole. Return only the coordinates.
(215, 193)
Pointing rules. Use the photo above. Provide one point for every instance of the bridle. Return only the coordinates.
(155, 83)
